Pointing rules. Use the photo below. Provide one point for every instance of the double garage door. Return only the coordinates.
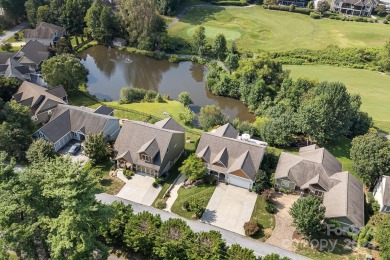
(240, 182)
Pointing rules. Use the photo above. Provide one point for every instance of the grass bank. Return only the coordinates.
(373, 87)
(255, 28)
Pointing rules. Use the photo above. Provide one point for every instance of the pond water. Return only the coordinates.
(111, 69)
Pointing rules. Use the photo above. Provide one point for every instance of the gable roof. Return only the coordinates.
(33, 52)
(234, 154)
(44, 31)
(346, 199)
(38, 98)
(136, 137)
(313, 166)
(4, 56)
(67, 118)
(171, 124)
(227, 130)
(13, 69)
(104, 110)
(58, 91)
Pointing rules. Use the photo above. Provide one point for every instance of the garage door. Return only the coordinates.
(240, 182)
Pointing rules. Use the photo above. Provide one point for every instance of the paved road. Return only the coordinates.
(259, 248)
(8, 34)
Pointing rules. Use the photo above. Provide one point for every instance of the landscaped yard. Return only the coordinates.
(202, 192)
(108, 184)
(373, 87)
(265, 219)
(255, 28)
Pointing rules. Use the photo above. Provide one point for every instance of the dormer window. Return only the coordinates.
(145, 157)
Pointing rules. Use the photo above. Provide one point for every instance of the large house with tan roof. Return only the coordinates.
(46, 33)
(40, 100)
(382, 193)
(149, 148)
(315, 171)
(235, 160)
(354, 7)
(75, 123)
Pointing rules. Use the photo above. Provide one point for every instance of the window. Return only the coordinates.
(285, 183)
(144, 157)
(318, 193)
(386, 209)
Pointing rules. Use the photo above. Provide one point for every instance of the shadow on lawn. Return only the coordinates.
(199, 15)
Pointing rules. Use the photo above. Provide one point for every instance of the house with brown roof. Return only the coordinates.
(40, 100)
(382, 193)
(74, 123)
(233, 159)
(315, 171)
(354, 7)
(32, 54)
(46, 33)
(149, 148)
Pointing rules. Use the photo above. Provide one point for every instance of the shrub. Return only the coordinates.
(150, 96)
(161, 204)
(385, 21)
(128, 174)
(97, 172)
(131, 95)
(291, 8)
(195, 206)
(315, 15)
(16, 36)
(186, 205)
(6, 47)
(174, 58)
(251, 228)
(387, 17)
(157, 182)
(270, 207)
(159, 98)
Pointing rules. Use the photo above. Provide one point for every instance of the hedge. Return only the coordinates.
(288, 9)
(235, 3)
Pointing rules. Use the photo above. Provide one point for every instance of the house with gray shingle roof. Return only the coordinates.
(13, 69)
(149, 148)
(354, 7)
(382, 193)
(40, 100)
(32, 54)
(233, 159)
(46, 33)
(315, 171)
(74, 123)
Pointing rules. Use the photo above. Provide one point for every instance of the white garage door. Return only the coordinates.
(240, 182)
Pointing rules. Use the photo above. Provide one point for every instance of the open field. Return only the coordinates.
(373, 87)
(256, 28)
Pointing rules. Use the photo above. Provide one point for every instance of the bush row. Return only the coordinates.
(289, 9)
(236, 3)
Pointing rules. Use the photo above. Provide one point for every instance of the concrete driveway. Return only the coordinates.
(139, 188)
(80, 157)
(230, 207)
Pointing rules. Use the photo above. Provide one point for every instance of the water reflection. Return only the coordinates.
(110, 70)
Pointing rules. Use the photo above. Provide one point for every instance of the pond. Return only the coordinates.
(111, 69)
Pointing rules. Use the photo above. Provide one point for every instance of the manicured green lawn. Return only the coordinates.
(202, 192)
(261, 216)
(12, 39)
(108, 184)
(373, 87)
(255, 28)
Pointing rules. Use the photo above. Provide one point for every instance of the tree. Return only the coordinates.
(274, 257)
(7, 47)
(211, 116)
(231, 62)
(384, 62)
(199, 40)
(327, 115)
(270, 2)
(207, 245)
(381, 9)
(39, 149)
(63, 46)
(278, 130)
(14, 10)
(308, 214)
(382, 237)
(251, 228)
(220, 47)
(193, 168)
(261, 181)
(233, 48)
(370, 154)
(168, 7)
(16, 129)
(116, 230)
(141, 232)
(8, 87)
(144, 26)
(100, 22)
(323, 6)
(65, 70)
(236, 252)
(44, 14)
(31, 10)
(173, 239)
(361, 121)
(96, 147)
(187, 116)
(185, 98)
(72, 13)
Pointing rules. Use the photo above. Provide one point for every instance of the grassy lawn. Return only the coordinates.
(255, 28)
(12, 39)
(267, 220)
(202, 192)
(373, 87)
(108, 184)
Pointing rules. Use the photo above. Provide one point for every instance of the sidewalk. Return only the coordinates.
(174, 192)
(8, 34)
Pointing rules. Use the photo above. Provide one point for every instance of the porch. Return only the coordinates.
(125, 165)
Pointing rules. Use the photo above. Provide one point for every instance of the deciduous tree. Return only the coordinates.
(207, 245)
(308, 214)
(231, 62)
(65, 70)
(199, 40)
(382, 236)
(100, 22)
(39, 149)
(185, 98)
(236, 252)
(211, 116)
(8, 87)
(187, 116)
(220, 47)
(193, 167)
(96, 147)
(323, 6)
